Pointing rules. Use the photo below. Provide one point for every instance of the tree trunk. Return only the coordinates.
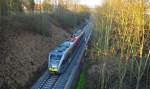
(4, 7)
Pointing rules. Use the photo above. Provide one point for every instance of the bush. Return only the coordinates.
(35, 23)
(69, 18)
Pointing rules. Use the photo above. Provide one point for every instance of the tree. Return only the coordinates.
(4, 7)
(14, 6)
(9, 7)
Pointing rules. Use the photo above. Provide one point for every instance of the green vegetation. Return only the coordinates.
(82, 81)
(10, 7)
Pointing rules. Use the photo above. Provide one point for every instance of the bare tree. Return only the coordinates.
(4, 7)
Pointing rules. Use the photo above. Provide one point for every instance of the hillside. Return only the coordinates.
(24, 49)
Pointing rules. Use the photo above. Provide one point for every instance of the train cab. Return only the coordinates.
(54, 62)
(59, 56)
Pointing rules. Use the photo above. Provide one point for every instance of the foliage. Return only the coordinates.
(31, 2)
(125, 24)
(9, 7)
(81, 83)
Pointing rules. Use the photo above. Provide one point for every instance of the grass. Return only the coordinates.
(82, 82)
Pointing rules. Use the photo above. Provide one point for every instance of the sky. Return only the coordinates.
(91, 3)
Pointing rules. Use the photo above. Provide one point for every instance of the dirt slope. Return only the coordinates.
(23, 55)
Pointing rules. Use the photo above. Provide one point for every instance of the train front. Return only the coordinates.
(53, 63)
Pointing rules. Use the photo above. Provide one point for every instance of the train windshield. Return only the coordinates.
(55, 57)
(54, 60)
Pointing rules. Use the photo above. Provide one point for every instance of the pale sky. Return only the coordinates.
(91, 3)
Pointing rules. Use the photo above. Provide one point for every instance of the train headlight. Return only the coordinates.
(53, 69)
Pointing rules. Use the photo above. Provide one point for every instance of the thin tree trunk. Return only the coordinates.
(4, 7)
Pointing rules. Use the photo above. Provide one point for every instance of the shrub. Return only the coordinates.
(69, 18)
(34, 23)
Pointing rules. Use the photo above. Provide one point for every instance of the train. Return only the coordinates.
(62, 55)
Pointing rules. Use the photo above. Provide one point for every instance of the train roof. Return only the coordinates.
(78, 33)
(66, 45)
(63, 47)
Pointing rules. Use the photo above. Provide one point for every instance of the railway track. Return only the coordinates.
(66, 79)
(48, 83)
